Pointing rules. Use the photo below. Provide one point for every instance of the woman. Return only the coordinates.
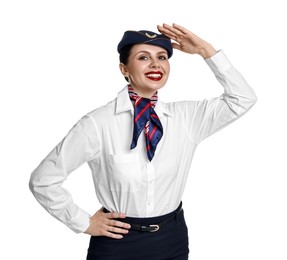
(140, 149)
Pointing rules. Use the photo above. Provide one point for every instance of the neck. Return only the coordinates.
(144, 93)
(134, 96)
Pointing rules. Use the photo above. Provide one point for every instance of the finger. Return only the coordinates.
(117, 230)
(176, 46)
(174, 30)
(115, 223)
(185, 32)
(171, 32)
(180, 29)
(113, 215)
(112, 235)
(166, 31)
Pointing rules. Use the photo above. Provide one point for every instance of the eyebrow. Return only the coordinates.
(160, 52)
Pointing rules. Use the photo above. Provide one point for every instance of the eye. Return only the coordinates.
(163, 57)
(143, 57)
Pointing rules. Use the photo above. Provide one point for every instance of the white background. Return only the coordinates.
(58, 61)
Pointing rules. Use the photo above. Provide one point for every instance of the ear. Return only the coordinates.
(123, 70)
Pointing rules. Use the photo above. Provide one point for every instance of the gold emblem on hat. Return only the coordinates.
(150, 36)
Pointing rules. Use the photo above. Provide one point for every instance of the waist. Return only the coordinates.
(141, 224)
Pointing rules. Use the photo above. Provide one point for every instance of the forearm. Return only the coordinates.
(238, 97)
(236, 90)
(47, 179)
(46, 185)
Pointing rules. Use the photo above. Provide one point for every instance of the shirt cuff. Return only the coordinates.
(80, 221)
(218, 63)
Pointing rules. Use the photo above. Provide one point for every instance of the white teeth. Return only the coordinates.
(154, 76)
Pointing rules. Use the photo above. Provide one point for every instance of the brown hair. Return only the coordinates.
(124, 56)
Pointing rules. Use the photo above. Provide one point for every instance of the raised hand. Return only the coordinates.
(186, 41)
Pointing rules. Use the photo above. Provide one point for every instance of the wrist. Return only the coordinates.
(207, 51)
(89, 229)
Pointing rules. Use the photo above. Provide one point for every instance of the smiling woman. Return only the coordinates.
(145, 66)
(147, 69)
(140, 149)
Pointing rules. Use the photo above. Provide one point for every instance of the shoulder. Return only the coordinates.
(180, 106)
(101, 114)
(108, 110)
(103, 110)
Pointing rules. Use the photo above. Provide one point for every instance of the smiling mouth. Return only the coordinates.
(154, 75)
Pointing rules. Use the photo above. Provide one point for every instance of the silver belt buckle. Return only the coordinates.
(156, 228)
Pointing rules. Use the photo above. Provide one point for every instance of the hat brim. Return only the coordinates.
(145, 37)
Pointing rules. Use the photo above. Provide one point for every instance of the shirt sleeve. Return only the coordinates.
(209, 116)
(80, 145)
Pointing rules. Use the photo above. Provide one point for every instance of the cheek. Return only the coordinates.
(166, 73)
(136, 69)
(167, 70)
(166, 67)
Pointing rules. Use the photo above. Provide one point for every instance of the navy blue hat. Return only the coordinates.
(146, 37)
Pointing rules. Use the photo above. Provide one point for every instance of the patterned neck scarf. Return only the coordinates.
(146, 118)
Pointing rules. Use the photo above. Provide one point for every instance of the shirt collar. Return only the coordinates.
(123, 104)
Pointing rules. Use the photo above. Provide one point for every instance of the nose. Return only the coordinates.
(154, 64)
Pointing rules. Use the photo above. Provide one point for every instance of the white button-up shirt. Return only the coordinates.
(125, 180)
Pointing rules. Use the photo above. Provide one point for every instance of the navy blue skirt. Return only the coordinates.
(170, 242)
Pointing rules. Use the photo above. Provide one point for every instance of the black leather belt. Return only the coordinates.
(156, 227)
